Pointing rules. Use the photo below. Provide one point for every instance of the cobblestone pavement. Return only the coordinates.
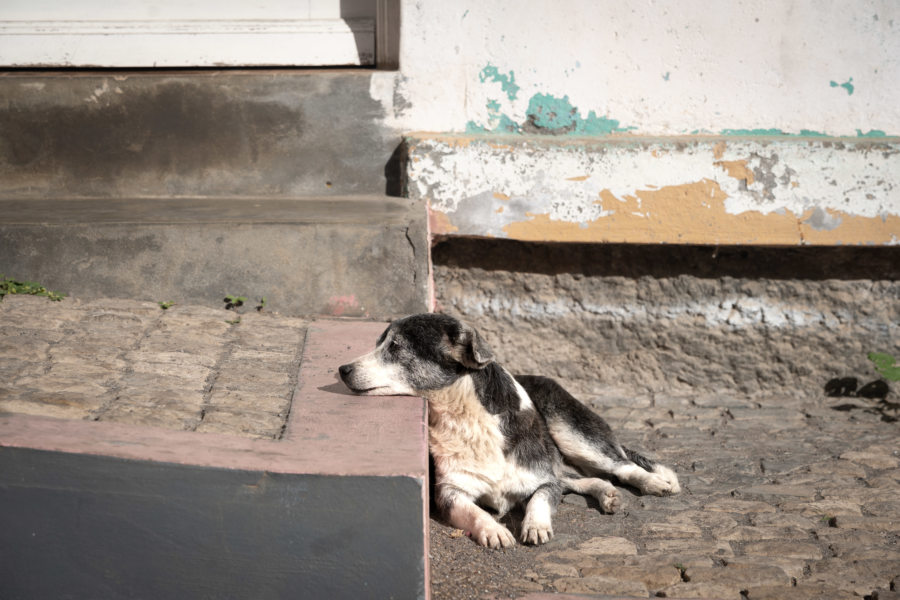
(191, 368)
(782, 499)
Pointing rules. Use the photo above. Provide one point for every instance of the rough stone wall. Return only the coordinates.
(613, 320)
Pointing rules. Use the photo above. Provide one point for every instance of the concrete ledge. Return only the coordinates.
(337, 508)
(340, 256)
(756, 190)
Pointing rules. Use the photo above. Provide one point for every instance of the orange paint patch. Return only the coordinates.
(503, 197)
(695, 213)
(737, 169)
(852, 229)
(719, 150)
(439, 223)
(579, 178)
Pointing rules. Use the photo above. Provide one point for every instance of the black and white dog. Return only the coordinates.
(498, 440)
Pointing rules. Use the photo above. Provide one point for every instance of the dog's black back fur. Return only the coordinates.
(528, 441)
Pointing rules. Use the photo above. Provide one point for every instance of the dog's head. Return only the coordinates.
(416, 354)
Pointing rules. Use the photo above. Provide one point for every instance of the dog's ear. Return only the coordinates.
(470, 349)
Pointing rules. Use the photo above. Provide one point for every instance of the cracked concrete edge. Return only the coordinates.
(687, 190)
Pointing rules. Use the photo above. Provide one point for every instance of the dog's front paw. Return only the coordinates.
(536, 531)
(494, 535)
(661, 482)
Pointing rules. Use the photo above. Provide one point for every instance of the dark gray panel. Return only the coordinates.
(77, 526)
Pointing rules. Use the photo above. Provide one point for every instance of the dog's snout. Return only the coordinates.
(345, 371)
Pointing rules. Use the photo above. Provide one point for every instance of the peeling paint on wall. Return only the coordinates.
(847, 85)
(507, 81)
(546, 114)
(549, 114)
(645, 190)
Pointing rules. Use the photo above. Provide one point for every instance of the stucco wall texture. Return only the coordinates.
(649, 68)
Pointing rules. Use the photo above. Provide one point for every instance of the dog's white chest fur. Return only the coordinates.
(467, 446)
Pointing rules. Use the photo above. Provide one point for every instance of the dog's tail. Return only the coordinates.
(638, 459)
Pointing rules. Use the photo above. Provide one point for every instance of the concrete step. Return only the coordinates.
(343, 256)
(275, 133)
(120, 501)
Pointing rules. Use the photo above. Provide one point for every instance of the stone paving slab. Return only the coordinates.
(189, 368)
(786, 498)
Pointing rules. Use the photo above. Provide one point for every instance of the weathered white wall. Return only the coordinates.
(762, 86)
(651, 68)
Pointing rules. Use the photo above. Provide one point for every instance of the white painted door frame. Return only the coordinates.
(200, 33)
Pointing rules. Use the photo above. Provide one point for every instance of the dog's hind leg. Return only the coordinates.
(603, 491)
(626, 465)
(648, 476)
(588, 443)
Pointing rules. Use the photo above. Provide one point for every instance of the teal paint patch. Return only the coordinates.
(507, 82)
(848, 85)
(666, 75)
(507, 125)
(500, 122)
(753, 132)
(550, 114)
(473, 127)
(873, 133)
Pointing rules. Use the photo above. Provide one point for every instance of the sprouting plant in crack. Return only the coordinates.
(166, 305)
(261, 305)
(829, 520)
(886, 365)
(232, 302)
(12, 286)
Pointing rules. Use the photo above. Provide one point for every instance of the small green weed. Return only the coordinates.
(232, 302)
(12, 286)
(829, 520)
(886, 365)
(166, 305)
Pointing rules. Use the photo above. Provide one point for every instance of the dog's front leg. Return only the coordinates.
(462, 512)
(537, 527)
